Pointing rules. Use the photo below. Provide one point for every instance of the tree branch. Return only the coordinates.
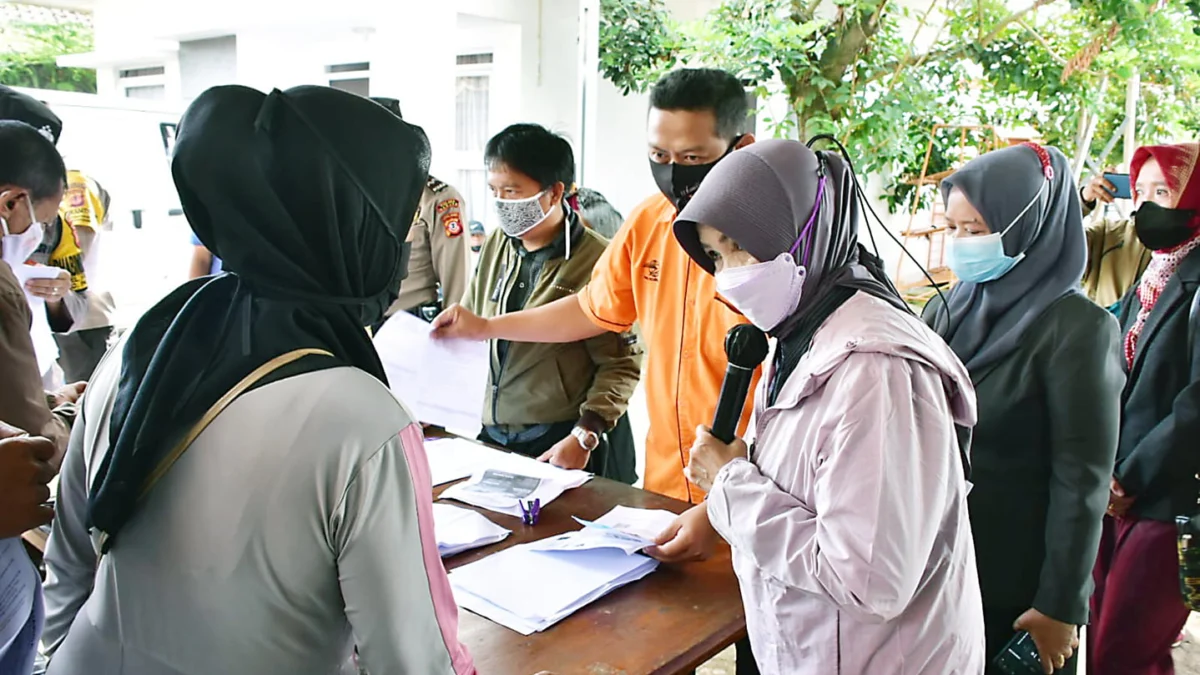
(1042, 40)
(961, 50)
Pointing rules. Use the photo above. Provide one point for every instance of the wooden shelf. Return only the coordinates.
(923, 231)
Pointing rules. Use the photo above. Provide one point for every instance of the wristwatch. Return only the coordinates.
(586, 437)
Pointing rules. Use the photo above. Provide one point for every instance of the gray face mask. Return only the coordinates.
(519, 216)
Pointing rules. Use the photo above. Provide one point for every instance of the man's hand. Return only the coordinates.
(1056, 641)
(567, 454)
(456, 322)
(709, 455)
(690, 538)
(68, 394)
(50, 290)
(1118, 502)
(24, 472)
(1099, 189)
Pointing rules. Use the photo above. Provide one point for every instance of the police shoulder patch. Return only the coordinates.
(435, 185)
(446, 205)
(452, 221)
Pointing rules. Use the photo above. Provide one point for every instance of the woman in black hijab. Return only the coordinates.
(238, 464)
(1046, 366)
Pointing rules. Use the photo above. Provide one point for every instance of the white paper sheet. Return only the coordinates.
(43, 338)
(552, 483)
(453, 458)
(643, 524)
(18, 585)
(540, 588)
(443, 381)
(458, 530)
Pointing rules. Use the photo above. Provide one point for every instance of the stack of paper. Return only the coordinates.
(44, 346)
(444, 382)
(529, 590)
(461, 530)
(507, 479)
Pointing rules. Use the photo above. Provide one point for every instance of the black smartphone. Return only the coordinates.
(1121, 182)
(1019, 657)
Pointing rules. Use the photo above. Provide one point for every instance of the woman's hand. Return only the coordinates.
(1118, 502)
(1098, 189)
(708, 456)
(690, 538)
(1056, 641)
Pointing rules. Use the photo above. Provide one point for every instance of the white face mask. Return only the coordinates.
(17, 248)
(766, 293)
(519, 216)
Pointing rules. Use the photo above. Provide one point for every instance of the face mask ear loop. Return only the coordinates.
(812, 219)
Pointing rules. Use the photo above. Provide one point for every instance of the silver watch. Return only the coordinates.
(589, 439)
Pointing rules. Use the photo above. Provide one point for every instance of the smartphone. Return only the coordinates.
(1019, 657)
(1121, 182)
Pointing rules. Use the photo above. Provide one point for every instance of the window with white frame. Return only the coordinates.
(143, 82)
(472, 105)
(352, 77)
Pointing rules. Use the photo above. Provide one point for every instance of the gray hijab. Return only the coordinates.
(763, 198)
(987, 321)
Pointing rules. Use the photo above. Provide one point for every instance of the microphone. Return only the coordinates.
(746, 347)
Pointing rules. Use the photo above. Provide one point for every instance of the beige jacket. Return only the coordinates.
(441, 250)
(1116, 259)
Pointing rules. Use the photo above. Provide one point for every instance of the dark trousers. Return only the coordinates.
(1137, 609)
(998, 631)
(80, 352)
(614, 458)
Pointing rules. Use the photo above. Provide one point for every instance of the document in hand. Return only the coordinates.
(506, 478)
(44, 346)
(528, 590)
(624, 528)
(444, 382)
(460, 529)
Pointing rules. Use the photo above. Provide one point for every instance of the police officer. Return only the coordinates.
(439, 264)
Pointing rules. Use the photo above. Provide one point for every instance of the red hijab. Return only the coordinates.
(1178, 164)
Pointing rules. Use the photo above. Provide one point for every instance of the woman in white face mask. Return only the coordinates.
(848, 517)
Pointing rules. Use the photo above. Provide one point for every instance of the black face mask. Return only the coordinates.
(1161, 229)
(476, 249)
(679, 182)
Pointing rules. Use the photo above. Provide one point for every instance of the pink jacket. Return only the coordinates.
(849, 525)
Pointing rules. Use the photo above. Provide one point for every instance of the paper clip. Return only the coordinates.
(530, 513)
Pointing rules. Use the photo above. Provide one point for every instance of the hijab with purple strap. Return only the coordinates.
(986, 322)
(763, 197)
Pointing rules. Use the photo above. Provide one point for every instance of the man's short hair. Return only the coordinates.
(29, 160)
(704, 89)
(536, 152)
(604, 218)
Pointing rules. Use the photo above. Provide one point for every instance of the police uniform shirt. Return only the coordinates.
(441, 250)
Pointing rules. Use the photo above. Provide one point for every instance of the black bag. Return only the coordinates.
(1189, 526)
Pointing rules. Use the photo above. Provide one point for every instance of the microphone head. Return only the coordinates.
(746, 346)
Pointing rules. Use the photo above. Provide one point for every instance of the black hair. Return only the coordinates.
(704, 89)
(29, 160)
(599, 213)
(536, 152)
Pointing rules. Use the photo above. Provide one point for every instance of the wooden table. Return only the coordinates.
(669, 622)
